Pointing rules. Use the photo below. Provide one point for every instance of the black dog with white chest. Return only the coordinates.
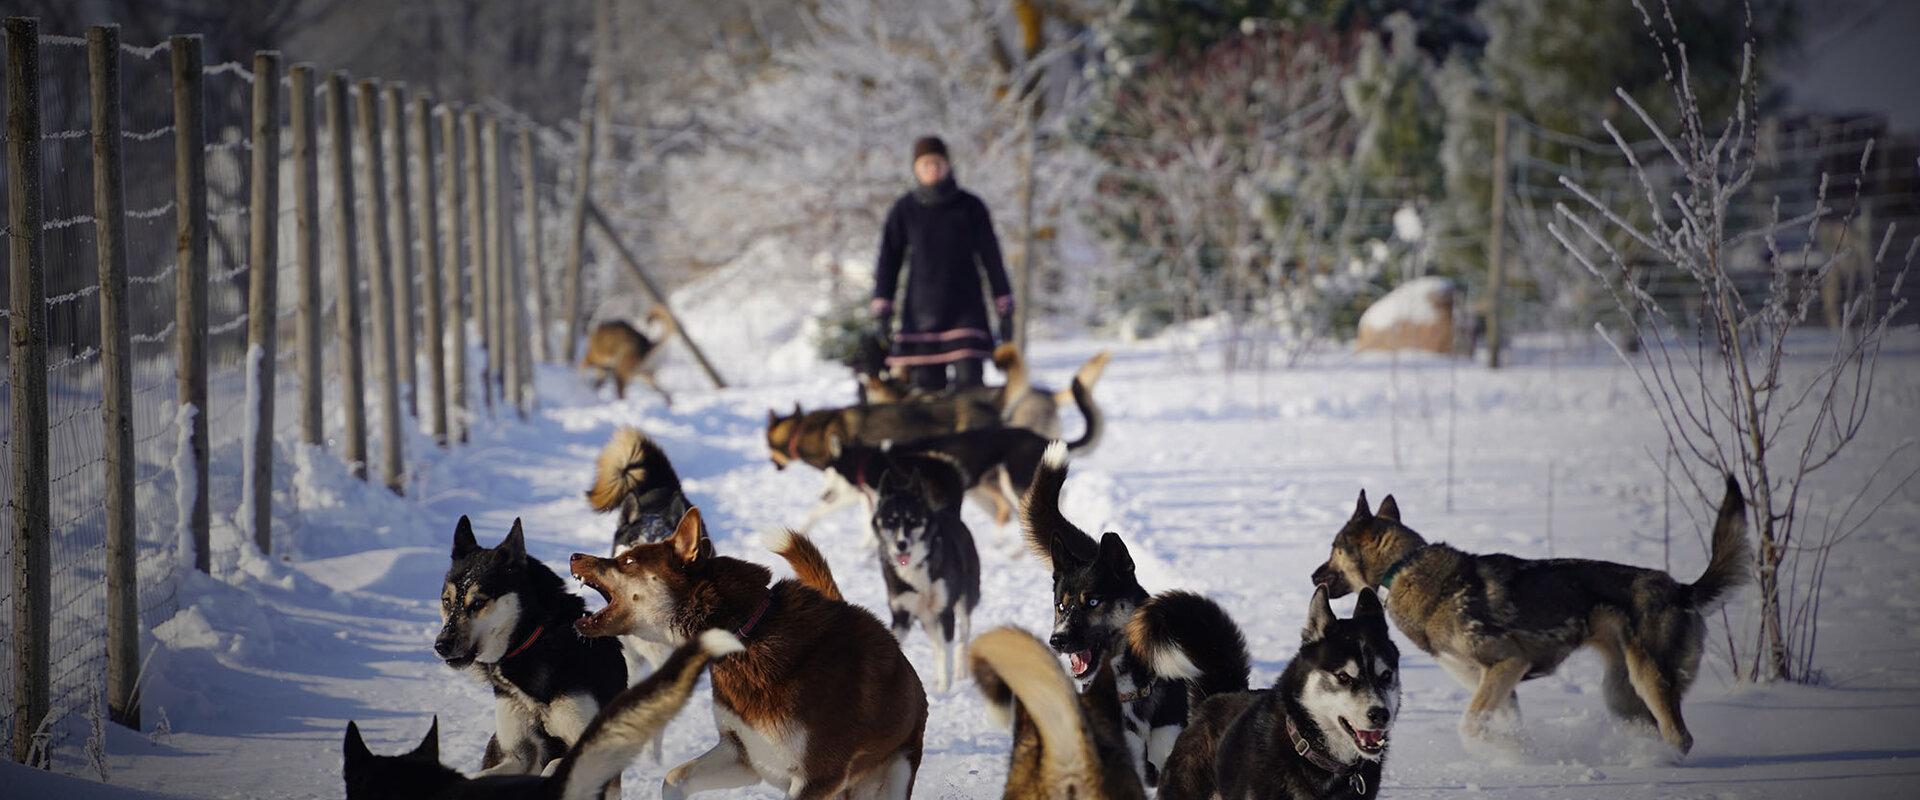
(928, 558)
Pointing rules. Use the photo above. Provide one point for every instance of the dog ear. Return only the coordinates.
(514, 547)
(689, 540)
(772, 418)
(1361, 512)
(429, 749)
(356, 747)
(1114, 553)
(463, 541)
(1389, 510)
(1319, 616)
(1368, 605)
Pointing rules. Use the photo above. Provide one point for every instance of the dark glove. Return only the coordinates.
(1003, 305)
(1006, 327)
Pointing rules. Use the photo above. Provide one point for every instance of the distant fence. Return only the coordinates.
(196, 253)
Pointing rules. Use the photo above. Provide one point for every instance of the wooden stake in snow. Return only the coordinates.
(306, 216)
(190, 272)
(379, 287)
(263, 298)
(433, 329)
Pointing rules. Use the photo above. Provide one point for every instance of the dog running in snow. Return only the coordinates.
(1321, 731)
(620, 352)
(1095, 594)
(807, 437)
(1495, 620)
(820, 703)
(928, 559)
(611, 741)
(1066, 745)
(508, 619)
(1022, 404)
(634, 476)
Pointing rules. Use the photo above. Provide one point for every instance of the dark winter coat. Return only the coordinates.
(946, 235)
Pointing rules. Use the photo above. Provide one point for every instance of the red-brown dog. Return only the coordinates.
(821, 703)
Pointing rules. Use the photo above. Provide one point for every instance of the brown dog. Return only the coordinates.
(1065, 744)
(1020, 402)
(821, 703)
(621, 352)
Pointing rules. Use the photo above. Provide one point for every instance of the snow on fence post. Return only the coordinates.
(455, 320)
(499, 341)
(477, 245)
(432, 323)
(263, 300)
(32, 498)
(306, 227)
(1496, 241)
(346, 277)
(379, 283)
(190, 293)
(394, 112)
(577, 235)
(116, 376)
(531, 263)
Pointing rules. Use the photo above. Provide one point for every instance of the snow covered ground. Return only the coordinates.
(1231, 485)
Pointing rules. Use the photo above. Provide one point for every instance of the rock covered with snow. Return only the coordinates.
(1416, 315)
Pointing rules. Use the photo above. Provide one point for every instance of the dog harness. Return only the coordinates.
(1314, 757)
(526, 644)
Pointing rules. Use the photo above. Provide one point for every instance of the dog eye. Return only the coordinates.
(1386, 676)
(1342, 678)
(1093, 602)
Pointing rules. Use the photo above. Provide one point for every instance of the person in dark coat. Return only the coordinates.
(946, 236)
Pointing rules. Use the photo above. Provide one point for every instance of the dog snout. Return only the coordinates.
(1378, 717)
(1320, 574)
(1059, 641)
(443, 644)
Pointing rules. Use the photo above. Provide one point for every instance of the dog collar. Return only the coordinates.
(753, 621)
(1305, 749)
(1386, 578)
(1137, 694)
(526, 644)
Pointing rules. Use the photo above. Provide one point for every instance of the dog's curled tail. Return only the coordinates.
(1048, 530)
(1186, 636)
(1010, 665)
(1731, 554)
(809, 566)
(636, 716)
(622, 465)
(1083, 399)
(659, 319)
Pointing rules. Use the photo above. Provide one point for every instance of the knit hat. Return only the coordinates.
(929, 146)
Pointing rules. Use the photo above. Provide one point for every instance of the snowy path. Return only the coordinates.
(1233, 487)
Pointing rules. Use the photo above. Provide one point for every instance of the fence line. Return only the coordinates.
(155, 371)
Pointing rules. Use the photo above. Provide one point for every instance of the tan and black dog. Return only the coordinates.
(1021, 403)
(813, 438)
(821, 703)
(621, 352)
(1496, 620)
(1065, 744)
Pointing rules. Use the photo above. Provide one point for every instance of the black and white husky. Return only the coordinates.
(509, 620)
(1320, 731)
(1095, 595)
(587, 769)
(928, 559)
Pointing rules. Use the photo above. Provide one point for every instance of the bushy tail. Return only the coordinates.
(1007, 358)
(1011, 665)
(635, 716)
(809, 566)
(1731, 557)
(662, 322)
(1083, 397)
(1050, 535)
(1089, 374)
(622, 466)
(1185, 636)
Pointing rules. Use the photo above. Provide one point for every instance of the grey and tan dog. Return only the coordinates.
(1495, 620)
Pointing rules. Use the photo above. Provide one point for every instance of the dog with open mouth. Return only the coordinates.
(820, 703)
(1095, 595)
(928, 559)
(508, 619)
(1321, 731)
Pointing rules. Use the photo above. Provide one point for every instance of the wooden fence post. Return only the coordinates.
(263, 295)
(577, 237)
(1496, 245)
(432, 322)
(116, 375)
(646, 281)
(531, 263)
(1023, 302)
(346, 278)
(477, 246)
(32, 497)
(451, 282)
(379, 284)
(401, 249)
(190, 271)
(499, 345)
(306, 227)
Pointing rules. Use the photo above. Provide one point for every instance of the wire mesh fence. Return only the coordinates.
(75, 657)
